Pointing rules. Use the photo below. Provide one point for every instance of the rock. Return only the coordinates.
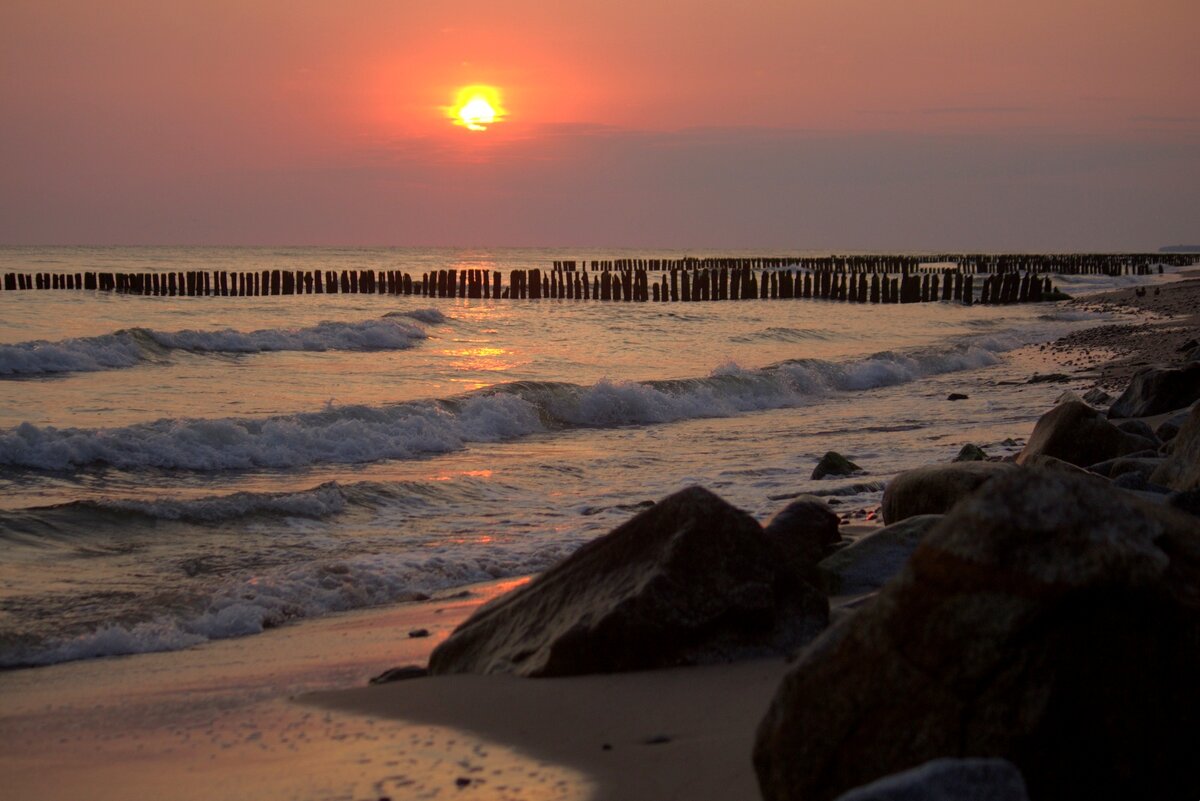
(834, 464)
(1097, 397)
(416, 633)
(948, 780)
(1137, 482)
(1190, 345)
(1114, 468)
(1168, 429)
(1181, 471)
(690, 580)
(1050, 463)
(806, 529)
(971, 453)
(1186, 501)
(871, 562)
(1139, 428)
(1155, 390)
(1077, 433)
(934, 489)
(1046, 620)
(1067, 395)
(400, 674)
(1048, 378)
(953, 396)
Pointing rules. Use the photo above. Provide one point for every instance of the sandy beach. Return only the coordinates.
(1117, 351)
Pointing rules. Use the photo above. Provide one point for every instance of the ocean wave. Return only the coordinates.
(86, 354)
(781, 334)
(81, 519)
(361, 434)
(251, 604)
(133, 346)
(430, 316)
(83, 516)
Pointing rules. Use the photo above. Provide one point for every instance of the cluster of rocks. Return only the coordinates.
(1019, 629)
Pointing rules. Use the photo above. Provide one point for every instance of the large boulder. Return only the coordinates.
(1143, 466)
(1154, 390)
(874, 560)
(1077, 433)
(948, 780)
(1046, 620)
(805, 530)
(1138, 427)
(689, 580)
(1181, 471)
(1050, 463)
(935, 488)
(1168, 429)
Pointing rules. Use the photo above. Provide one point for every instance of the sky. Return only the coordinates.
(794, 124)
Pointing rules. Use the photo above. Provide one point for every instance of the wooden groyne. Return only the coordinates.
(966, 278)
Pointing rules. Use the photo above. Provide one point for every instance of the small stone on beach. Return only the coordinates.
(834, 464)
(971, 453)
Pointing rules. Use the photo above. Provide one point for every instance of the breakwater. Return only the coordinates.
(966, 278)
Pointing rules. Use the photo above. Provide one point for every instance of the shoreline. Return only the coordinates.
(1168, 317)
(219, 713)
(270, 716)
(602, 724)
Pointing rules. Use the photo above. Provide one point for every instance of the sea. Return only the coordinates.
(175, 470)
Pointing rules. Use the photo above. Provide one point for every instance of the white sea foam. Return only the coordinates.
(130, 347)
(381, 334)
(90, 354)
(1091, 284)
(359, 434)
(318, 502)
(249, 605)
(341, 435)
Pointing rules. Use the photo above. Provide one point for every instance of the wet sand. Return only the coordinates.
(1169, 318)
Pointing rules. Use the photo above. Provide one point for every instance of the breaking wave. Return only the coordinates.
(251, 604)
(132, 346)
(360, 434)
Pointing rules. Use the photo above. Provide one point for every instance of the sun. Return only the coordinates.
(476, 107)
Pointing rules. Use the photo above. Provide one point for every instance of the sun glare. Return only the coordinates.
(477, 107)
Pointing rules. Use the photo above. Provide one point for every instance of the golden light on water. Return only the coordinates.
(476, 107)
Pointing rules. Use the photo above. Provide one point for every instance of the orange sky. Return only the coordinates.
(151, 103)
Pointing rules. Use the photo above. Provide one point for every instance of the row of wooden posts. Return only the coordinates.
(701, 284)
(1003, 279)
(985, 264)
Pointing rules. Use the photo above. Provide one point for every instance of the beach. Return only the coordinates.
(286, 713)
(623, 401)
(1118, 351)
